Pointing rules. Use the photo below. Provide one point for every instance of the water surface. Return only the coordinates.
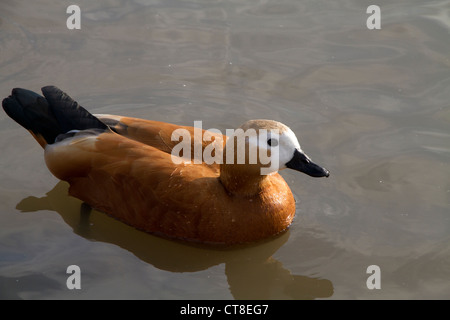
(370, 105)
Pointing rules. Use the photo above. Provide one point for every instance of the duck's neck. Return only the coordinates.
(238, 180)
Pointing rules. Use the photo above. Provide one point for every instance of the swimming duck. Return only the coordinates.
(126, 168)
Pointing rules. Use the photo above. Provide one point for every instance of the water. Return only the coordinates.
(370, 105)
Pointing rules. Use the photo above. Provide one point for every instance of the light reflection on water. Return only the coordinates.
(371, 106)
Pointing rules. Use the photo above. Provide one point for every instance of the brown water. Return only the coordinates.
(373, 106)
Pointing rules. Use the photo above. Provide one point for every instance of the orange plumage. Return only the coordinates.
(123, 167)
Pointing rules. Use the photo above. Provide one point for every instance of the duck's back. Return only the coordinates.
(160, 135)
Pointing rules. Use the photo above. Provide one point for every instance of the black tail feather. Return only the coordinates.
(70, 115)
(49, 116)
(32, 112)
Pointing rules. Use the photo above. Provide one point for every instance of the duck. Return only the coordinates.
(126, 168)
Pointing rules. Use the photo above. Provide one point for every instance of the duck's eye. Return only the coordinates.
(272, 142)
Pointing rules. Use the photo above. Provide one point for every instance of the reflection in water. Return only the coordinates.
(251, 270)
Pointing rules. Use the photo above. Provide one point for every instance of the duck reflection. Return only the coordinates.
(251, 270)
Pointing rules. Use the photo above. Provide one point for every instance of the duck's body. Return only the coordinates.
(141, 186)
(124, 167)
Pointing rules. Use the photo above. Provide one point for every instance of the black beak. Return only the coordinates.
(302, 163)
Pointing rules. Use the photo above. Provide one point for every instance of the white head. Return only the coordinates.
(277, 147)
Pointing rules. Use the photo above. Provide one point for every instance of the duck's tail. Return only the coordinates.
(48, 116)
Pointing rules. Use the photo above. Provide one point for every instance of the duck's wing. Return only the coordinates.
(161, 135)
